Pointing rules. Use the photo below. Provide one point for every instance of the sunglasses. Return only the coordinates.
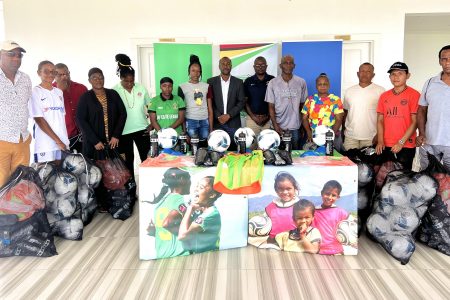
(14, 54)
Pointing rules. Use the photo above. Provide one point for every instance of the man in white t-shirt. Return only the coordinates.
(360, 110)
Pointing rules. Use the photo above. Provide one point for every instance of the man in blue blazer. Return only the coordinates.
(226, 99)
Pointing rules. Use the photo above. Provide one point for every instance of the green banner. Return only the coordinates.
(172, 60)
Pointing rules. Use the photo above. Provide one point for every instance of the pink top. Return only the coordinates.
(326, 220)
(280, 213)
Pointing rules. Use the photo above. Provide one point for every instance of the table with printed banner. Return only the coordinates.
(180, 212)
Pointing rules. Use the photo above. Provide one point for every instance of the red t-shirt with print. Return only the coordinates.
(397, 110)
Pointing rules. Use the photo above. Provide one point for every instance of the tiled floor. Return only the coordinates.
(105, 265)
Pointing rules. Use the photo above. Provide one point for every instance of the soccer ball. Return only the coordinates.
(167, 138)
(319, 134)
(74, 163)
(44, 171)
(268, 139)
(95, 176)
(249, 136)
(363, 199)
(71, 229)
(83, 195)
(396, 194)
(219, 140)
(259, 226)
(65, 183)
(378, 225)
(400, 246)
(347, 232)
(403, 219)
(429, 186)
(66, 206)
(365, 174)
(398, 176)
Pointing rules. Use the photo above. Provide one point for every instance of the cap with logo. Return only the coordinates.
(11, 45)
(399, 66)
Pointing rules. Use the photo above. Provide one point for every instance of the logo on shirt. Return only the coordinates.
(139, 94)
(42, 99)
(182, 208)
(392, 111)
(199, 220)
(404, 102)
(61, 108)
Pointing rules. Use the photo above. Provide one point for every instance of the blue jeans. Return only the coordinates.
(198, 127)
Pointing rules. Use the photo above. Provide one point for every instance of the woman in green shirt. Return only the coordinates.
(136, 100)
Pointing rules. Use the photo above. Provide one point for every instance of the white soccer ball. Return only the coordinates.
(378, 225)
(259, 226)
(66, 206)
(347, 232)
(71, 229)
(219, 140)
(74, 163)
(403, 219)
(398, 176)
(50, 201)
(83, 194)
(363, 199)
(249, 136)
(44, 171)
(421, 210)
(95, 176)
(394, 193)
(167, 138)
(268, 139)
(399, 245)
(365, 174)
(429, 186)
(65, 183)
(319, 134)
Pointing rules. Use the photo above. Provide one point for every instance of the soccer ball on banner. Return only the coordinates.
(249, 136)
(74, 163)
(259, 226)
(347, 232)
(268, 139)
(219, 140)
(65, 183)
(167, 138)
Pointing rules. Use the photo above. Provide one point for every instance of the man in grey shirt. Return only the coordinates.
(15, 91)
(286, 95)
(434, 109)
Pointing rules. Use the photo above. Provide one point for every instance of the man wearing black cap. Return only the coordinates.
(396, 119)
(432, 116)
(167, 110)
(15, 90)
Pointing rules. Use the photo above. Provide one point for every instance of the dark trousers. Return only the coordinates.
(142, 141)
(405, 156)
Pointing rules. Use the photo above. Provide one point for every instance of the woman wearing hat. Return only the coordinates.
(167, 110)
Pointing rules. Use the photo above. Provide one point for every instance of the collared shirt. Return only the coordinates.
(14, 99)
(225, 87)
(287, 98)
(71, 98)
(436, 97)
(255, 91)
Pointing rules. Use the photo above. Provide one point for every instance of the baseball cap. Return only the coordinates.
(399, 66)
(10, 45)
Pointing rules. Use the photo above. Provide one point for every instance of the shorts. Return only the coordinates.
(47, 156)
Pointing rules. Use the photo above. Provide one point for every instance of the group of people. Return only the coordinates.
(69, 116)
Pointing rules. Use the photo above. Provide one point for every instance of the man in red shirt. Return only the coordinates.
(71, 92)
(396, 119)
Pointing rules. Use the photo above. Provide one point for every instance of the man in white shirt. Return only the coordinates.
(15, 91)
(360, 110)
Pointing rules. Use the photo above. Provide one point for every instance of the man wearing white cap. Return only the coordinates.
(15, 91)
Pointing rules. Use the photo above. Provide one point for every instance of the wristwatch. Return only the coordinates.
(401, 142)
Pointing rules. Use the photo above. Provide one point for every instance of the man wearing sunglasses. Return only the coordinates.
(15, 91)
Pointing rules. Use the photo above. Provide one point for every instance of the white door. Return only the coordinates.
(354, 53)
(147, 68)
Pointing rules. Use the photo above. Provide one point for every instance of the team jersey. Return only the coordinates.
(167, 110)
(48, 104)
(167, 244)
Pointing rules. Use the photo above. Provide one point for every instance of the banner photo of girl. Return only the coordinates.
(180, 213)
(305, 208)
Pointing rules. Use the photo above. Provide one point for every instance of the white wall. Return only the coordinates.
(87, 33)
(421, 55)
